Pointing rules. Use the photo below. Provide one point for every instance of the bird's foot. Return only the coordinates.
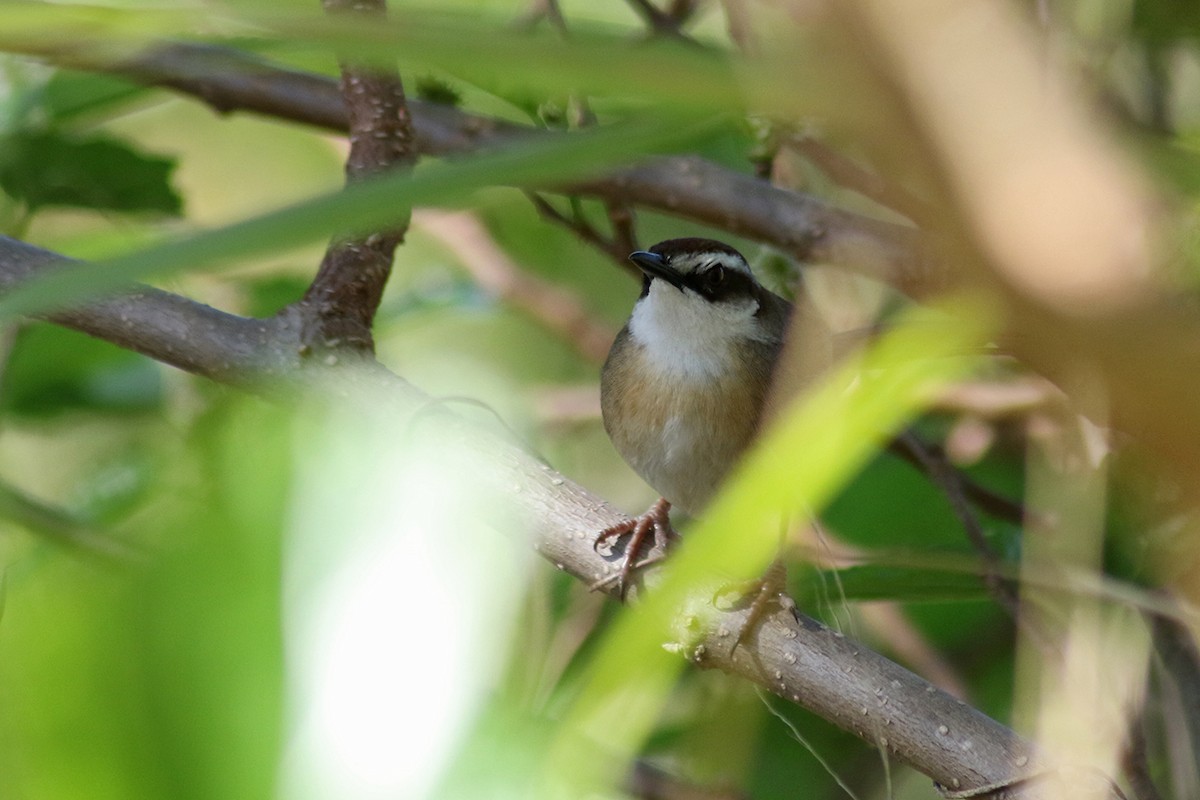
(760, 594)
(655, 522)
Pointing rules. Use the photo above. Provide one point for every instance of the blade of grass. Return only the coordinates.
(483, 48)
(369, 205)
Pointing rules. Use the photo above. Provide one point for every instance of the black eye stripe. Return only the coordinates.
(734, 284)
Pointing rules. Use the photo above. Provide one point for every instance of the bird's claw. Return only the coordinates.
(657, 522)
(762, 593)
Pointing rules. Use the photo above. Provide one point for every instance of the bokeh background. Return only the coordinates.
(209, 594)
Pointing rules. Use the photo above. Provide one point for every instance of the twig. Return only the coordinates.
(949, 481)
(616, 248)
(340, 304)
(650, 783)
(664, 23)
(682, 10)
(1019, 397)
(61, 527)
(164, 326)
(624, 231)
(541, 10)
(987, 500)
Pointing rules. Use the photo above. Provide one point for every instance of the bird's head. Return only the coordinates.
(699, 302)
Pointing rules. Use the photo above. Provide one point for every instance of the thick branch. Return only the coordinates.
(804, 662)
(169, 328)
(802, 225)
(341, 302)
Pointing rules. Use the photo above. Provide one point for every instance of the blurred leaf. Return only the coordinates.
(52, 369)
(904, 584)
(268, 295)
(161, 678)
(213, 634)
(69, 95)
(1161, 22)
(433, 89)
(115, 487)
(476, 46)
(369, 205)
(46, 168)
(1174, 162)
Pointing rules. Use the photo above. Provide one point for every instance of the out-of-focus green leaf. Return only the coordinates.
(478, 47)
(1176, 162)
(1160, 22)
(161, 677)
(47, 168)
(52, 369)
(115, 486)
(266, 296)
(69, 95)
(366, 206)
(595, 60)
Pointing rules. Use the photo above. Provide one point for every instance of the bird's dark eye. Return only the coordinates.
(714, 278)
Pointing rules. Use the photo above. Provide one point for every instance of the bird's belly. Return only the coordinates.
(684, 464)
(681, 440)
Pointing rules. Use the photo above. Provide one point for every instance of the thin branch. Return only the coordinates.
(797, 658)
(650, 783)
(615, 248)
(340, 304)
(949, 481)
(664, 23)
(61, 527)
(921, 455)
(682, 10)
(624, 229)
(803, 226)
(541, 10)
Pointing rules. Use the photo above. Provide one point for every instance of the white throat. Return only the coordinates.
(684, 335)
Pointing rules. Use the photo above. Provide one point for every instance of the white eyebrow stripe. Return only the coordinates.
(695, 263)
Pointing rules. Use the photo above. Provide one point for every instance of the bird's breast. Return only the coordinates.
(681, 435)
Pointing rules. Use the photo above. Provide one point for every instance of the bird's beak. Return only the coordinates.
(656, 266)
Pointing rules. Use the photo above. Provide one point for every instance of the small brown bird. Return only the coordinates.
(686, 381)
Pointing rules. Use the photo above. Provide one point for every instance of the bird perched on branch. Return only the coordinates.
(685, 384)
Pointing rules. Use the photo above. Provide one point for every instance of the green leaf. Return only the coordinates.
(52, 369)
(69, 95)
(160, 677)
(366, 206)
(47, 168)
(905, 584)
